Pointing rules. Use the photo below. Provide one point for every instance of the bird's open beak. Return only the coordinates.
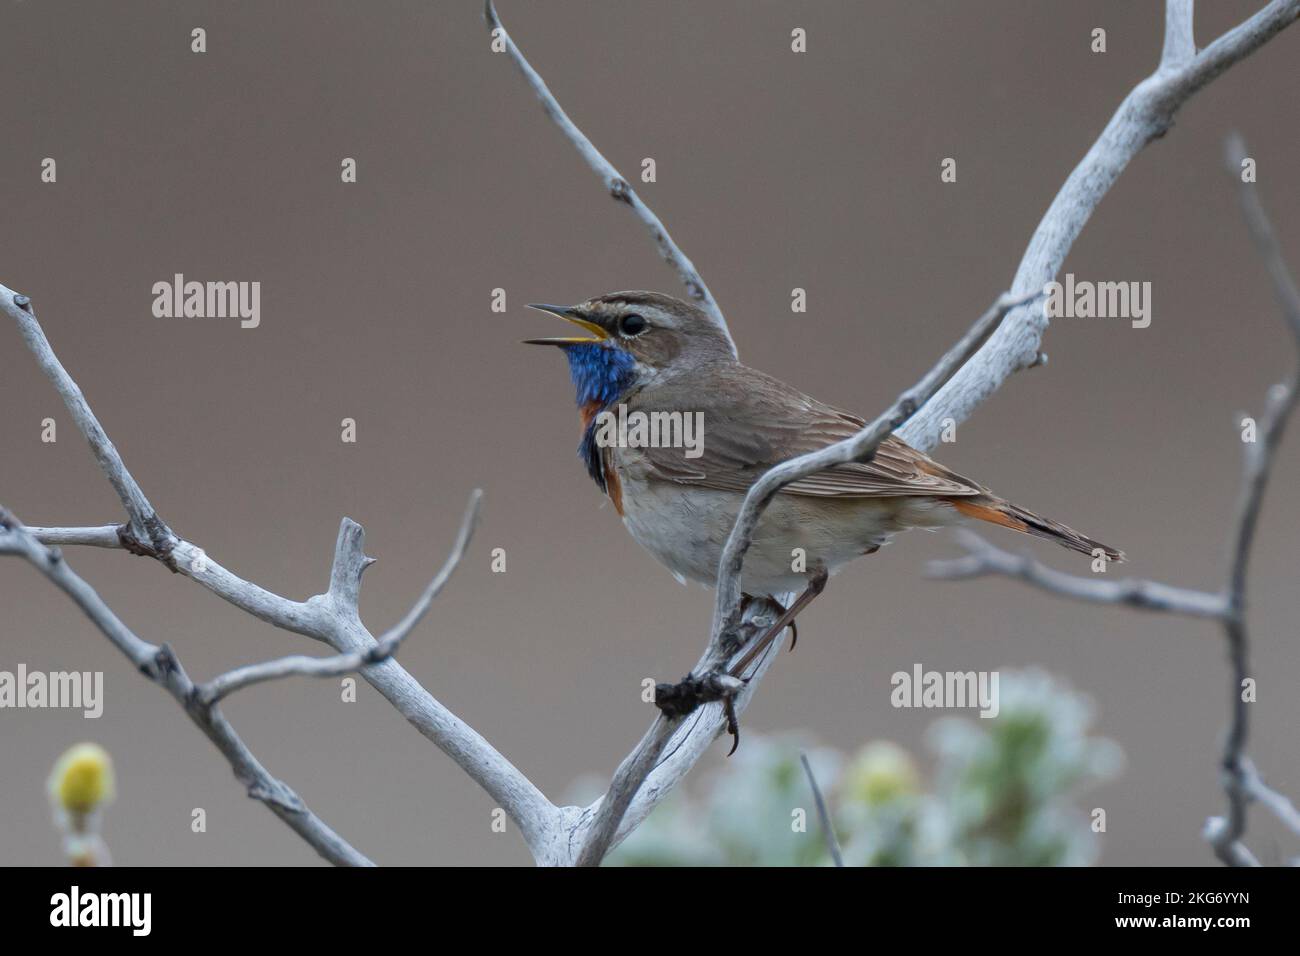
(568, 314)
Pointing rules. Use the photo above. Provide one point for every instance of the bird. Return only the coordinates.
(649, 357)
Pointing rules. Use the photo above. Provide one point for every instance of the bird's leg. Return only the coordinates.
(733, 642)
(816, 585)
(680, 699)
(766, 609)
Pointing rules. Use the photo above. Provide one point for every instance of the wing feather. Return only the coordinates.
(753, 421)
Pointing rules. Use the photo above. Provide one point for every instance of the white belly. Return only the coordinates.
(686, 527)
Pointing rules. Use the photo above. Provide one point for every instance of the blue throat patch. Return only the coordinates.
(601, 375)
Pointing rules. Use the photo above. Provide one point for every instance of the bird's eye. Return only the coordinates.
(632, 324)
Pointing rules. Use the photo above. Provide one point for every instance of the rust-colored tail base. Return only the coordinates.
(1004, 513)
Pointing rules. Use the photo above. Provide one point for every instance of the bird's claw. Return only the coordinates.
(733, 723)
(682, 698)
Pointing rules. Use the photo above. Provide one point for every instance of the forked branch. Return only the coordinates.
(1241, 782)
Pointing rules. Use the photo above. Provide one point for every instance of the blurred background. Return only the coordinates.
(775, 170)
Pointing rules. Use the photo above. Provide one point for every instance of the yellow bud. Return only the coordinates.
(879, 773)
(82, 779)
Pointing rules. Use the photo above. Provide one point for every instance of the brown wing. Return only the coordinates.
(753, 421)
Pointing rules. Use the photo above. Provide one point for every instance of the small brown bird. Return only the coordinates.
(675, 430)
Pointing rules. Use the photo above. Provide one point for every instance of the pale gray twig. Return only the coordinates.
(1279, 804)
(983, 558)
(385, 647)
(1146, 114)
(1241, 782)
(1180, 43)
(613, 180)
(160, 665)
(143, 523)
(104, 536)
(828, 831)
(1225, 833)
(1265, 239)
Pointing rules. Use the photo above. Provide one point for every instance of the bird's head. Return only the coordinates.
(635, 338)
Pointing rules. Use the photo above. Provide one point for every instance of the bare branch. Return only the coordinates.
(1241, 783)
(627, 779)
(160, 665)
(832, 844)
(144, 521)
(384, 648)
(613, 180)
(671, 755)
(983, 558)
(1280, 805)
(294, 665)
(467, 525)
(350, 562)
(1145, 114)
(1259, 456)
(330, 617)
(1261, 231)
(1230, 851)
(1180, 43)
(1225, 833)
(104, 536)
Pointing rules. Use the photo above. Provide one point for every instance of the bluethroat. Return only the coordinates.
(649, 358)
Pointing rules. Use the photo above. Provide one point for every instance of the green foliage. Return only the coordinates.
(1002, 795)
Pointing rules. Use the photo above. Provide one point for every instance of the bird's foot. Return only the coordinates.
(756, 615)
(682, 698)
(785, 618)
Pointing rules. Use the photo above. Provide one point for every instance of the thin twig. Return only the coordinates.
(104, 536)
(1278, 804)
(832, 842)
(1180, 44)
(1241, 783)
(1146, 114)
(160, 665)
(1225, 833)
(385, 647)
(614, 181)
(983, 558)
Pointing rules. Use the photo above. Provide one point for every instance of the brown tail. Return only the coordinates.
(1004, 513)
